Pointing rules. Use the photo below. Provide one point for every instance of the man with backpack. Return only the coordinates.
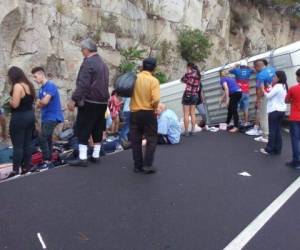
(143, 121)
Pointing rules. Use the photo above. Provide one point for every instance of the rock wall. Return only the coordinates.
(48, 32)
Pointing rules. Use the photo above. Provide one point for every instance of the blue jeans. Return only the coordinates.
(274, 145)
(295, 138)
(125, 129)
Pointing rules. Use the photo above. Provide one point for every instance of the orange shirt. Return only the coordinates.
(146, 93)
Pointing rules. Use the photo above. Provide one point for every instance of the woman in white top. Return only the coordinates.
(276, 108)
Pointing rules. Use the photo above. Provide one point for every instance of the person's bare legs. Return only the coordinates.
(186, 114)
(192, 112)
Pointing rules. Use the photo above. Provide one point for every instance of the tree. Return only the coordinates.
(193, 45)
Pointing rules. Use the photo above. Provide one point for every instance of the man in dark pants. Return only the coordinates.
(143, 121)
(91, 97)
(293, 97)
(49, 103)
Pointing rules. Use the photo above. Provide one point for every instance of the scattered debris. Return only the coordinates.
(245, 174)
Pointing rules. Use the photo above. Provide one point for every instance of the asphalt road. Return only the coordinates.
(197, 200)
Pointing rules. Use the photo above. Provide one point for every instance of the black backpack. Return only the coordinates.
(125, 84)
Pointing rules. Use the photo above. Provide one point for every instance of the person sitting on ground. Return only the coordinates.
(115, 108)
(190, 96)
(276, 108)
(231, 97)
(52, 115)
(242, 75)
(3, 125)
(168, 126)
(293, 98)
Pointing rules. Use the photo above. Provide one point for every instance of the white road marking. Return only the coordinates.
(42, 241)
(253, 228)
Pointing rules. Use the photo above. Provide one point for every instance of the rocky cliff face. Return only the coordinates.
(48, 32)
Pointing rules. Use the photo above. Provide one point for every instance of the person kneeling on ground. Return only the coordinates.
(168, 126)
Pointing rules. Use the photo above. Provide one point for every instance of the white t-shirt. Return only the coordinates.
(276, 99)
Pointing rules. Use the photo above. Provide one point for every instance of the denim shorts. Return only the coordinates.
(190, 100)
(245, 102)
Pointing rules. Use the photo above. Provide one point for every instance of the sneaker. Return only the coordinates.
(192, 133)
(261, 139)
(263, 151)
(149, 170)
(253, 132)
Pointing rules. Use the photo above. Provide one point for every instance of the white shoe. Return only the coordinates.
(263, 151)
(253, 132)
(261, 139)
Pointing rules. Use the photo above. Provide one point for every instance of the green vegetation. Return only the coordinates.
(193, 45)
(161, 77)
(131, 57)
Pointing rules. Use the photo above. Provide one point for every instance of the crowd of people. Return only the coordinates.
(146, 121)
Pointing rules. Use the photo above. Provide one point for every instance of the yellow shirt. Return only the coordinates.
(146, 93)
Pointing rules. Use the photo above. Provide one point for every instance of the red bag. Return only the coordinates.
(37, 158)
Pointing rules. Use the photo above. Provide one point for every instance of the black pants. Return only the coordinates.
(143, 123)
(90, 122)
(21, 129)
(274, 145)
(46, 139)
(234, 100)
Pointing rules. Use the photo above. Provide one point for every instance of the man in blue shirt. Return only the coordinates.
(168, 126)
(242, 75)
(51, 112)
(264, 78)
